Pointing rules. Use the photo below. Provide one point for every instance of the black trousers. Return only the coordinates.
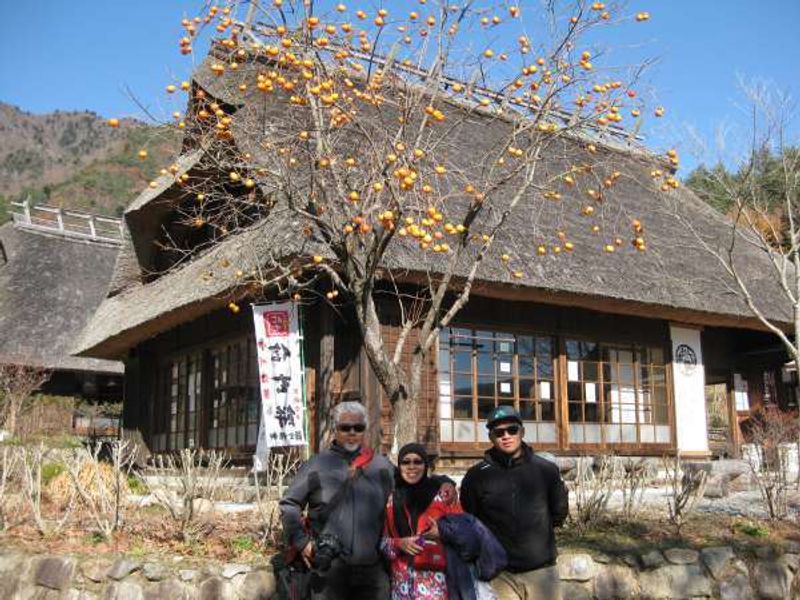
(354, 582)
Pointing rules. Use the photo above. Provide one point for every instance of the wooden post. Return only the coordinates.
(562, 407)
(60, 219)
(733, 417)
(324, 402)
(92, 229)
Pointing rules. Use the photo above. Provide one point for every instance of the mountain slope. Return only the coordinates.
(75, 160)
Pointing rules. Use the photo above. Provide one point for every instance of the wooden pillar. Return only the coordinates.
(136, 410)
(733, 418)
(205, 403)
(562, 403)
(324, 402)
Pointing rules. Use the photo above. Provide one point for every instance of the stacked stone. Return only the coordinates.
(714, 572)
(64, 578)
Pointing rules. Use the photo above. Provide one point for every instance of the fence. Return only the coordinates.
(68, 223)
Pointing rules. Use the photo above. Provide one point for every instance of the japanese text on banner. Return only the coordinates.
(280, 377)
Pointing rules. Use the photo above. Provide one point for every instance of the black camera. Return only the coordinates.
(327, 548)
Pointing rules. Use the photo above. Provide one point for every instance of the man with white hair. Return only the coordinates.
(344, 491)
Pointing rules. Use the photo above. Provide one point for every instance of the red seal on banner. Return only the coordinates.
(277, 323)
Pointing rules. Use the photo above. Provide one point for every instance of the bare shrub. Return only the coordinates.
(9, 478)
(772, 433)
(17, 384)
(31, 460)
(593, 489)
(197, 474)
(269, 487)
(686, 485)
(102, 486)
(635, 477)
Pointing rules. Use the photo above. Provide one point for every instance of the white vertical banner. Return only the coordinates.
(280, 369)
(689, 379)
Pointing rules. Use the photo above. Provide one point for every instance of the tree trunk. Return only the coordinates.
(404, 418)
(391, 377)
(11, 418)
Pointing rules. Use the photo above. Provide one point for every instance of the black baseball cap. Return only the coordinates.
(504, 412)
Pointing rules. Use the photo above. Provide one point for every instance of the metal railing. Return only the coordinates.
(67, 223)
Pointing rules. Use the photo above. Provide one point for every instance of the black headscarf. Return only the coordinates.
(411, 500)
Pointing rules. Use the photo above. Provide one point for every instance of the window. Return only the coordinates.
(616, 394)
(481, 369)
(235, 400)
(740, 393)
(216, 389)
(770, 391)
(179, 395)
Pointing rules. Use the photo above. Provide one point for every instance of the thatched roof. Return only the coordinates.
(49, 288)
(674, 279)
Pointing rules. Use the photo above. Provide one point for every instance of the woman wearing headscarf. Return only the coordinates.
(410, 542)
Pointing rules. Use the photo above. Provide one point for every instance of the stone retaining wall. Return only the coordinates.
(716, 572)
(25, 577)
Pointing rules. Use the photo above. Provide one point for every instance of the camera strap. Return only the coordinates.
(356, 467)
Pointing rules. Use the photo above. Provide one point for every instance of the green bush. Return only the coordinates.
(136, 485)
(50, 471)
(243, 543)
(5, 213)
(752, 529)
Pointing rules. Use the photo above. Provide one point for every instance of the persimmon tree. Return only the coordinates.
(409, 134)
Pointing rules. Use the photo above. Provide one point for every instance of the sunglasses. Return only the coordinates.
(347, 428)
(407, 462)
(499, 432)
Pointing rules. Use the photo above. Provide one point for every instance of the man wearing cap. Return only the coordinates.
(520, 497)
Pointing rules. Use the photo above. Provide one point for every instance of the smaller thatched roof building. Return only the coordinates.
(55, 268)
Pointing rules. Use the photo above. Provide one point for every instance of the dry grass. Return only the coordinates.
(95, 478)
(150, 532)
(616, 536)
(235, 537)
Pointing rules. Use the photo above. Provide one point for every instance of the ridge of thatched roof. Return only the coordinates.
(126, 271)
(164, 182)
(225, 88)
(49, 288)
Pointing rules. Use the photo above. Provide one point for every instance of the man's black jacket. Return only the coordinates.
(520, 501)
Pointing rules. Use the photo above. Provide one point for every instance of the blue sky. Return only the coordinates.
(84, 55)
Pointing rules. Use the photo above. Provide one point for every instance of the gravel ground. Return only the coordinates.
(746, 504)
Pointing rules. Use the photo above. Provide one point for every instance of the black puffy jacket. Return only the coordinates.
(520, 501)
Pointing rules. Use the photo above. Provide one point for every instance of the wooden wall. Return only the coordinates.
(337, 368)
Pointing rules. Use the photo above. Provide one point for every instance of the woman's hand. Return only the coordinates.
(432, 533)
(409, 545)
(308, 554)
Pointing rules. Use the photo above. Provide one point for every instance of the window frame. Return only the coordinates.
(172, 380)
(606, 405)
(477, 372)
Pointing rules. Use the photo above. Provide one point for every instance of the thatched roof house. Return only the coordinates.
(606, 327)
(54, 273)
